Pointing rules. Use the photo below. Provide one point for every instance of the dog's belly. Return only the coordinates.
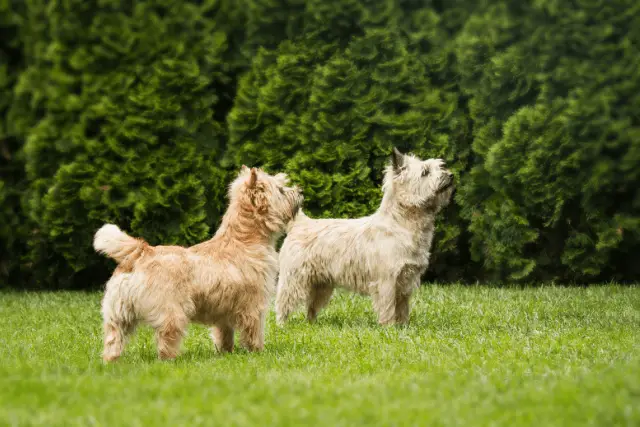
(212, 306)
(358, 255)
(207, 316)
(365, 282)
(359, 287)
(355, 276)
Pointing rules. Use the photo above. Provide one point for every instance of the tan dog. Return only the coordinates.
(382, 255)
(225, 282)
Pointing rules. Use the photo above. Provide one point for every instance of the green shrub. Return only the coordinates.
(14, 230)
(328, 105)
(129, 130)
(137, 113)
(553, 91)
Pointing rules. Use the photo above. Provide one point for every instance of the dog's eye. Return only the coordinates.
(425, 171)
(281, 190)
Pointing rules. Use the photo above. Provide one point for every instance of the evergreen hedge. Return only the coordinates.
(554, 95)
(137, 113)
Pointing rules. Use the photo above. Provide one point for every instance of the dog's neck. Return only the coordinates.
(414, 218)
(240, 226)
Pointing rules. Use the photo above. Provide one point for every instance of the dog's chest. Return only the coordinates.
(416, 248)
(412, 269)
(415, 259)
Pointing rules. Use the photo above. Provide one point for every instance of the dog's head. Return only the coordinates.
(416, 183)
(269, 198)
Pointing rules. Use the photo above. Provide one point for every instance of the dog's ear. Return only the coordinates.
(244, 168)
(397, 159)
(253, 178)
(260, 201)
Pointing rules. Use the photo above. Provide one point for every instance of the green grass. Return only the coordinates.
(471, 356)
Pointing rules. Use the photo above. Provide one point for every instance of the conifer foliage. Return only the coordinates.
(12, 175)
(555, 191)
(126, 129)
(138, 112)
(328, 104)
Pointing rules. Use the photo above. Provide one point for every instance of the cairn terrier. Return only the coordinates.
(224, 282)
(382, 255)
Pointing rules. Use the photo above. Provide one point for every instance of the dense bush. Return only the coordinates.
(126, 128)
(13, 225)
(329, 102)
(138, 113)
(554, 95)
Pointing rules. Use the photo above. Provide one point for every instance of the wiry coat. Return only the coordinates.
(382, 255)
(224, 282)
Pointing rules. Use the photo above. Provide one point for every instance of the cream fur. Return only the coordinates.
(111, 241)
(382, 255)
(224, 282)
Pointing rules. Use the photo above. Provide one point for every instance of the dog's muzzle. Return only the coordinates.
(447, 182)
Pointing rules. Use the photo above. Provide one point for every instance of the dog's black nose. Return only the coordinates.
(450, 174)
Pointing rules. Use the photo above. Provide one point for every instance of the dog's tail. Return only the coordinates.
(117, 244)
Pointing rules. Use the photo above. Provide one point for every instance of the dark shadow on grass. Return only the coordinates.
(417, 320)
(531, 284)
(338, 321)
(185, 356)
(368, 320)
(202, 354)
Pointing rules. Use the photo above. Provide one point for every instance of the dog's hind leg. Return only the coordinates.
(318, 298)
(115, 337)
(119, 319)
(290, 294)
(169, 333)
(222, 336)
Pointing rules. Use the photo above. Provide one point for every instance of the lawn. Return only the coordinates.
(471, 356)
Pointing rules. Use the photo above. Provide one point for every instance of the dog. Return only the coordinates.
(382, 255)
(225, 282)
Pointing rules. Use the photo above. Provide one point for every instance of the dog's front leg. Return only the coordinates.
(169, 334)
(402, 308)
(403, 294)
(384, 302)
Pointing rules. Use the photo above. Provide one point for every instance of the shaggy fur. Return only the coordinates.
(224, 282)
(382, 255)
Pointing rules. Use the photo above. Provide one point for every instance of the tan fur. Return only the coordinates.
(224, 282)
(382, 255)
